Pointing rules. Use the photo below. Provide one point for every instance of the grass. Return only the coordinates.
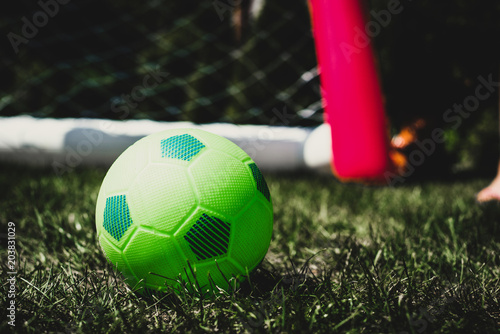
(419, 258)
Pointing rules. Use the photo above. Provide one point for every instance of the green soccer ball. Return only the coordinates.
(184, 208)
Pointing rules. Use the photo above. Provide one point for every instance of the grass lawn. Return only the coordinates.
(418, 258)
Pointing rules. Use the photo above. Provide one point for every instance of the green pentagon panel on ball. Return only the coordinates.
(184, 206)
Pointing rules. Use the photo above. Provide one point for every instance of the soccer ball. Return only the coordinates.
(184, 208)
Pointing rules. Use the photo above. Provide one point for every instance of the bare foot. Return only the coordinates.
(491, 192)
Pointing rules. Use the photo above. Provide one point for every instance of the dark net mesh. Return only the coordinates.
(162, 60)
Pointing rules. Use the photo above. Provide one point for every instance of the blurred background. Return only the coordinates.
(241, 61)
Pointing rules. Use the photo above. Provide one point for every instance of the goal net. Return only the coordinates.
(236, 61)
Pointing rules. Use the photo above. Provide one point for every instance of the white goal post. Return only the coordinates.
(65, 144)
